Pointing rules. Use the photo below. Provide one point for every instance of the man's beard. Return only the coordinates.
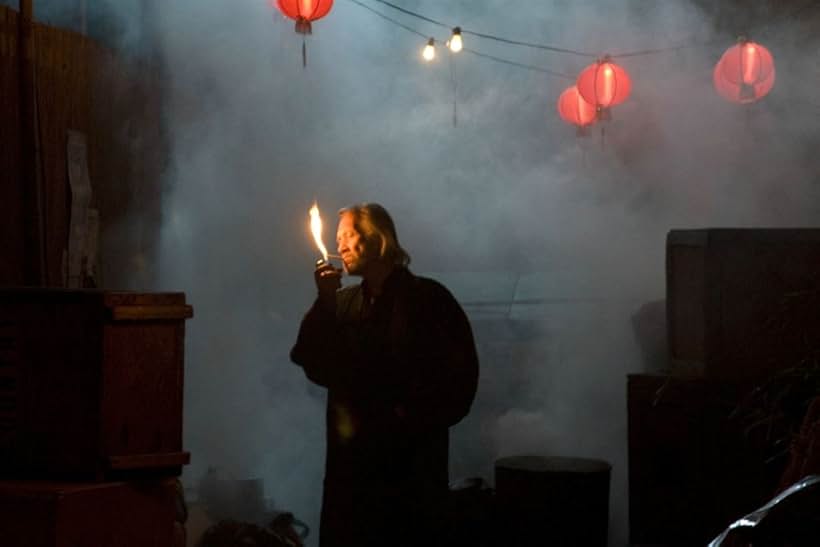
(355, 267)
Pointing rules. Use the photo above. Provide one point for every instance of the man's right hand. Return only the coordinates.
(328, 281)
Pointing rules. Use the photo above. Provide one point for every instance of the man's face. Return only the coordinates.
(352, 246)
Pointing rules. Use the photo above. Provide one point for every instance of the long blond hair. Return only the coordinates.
(374, 223)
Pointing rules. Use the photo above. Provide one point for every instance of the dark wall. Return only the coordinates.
(115, 101)
(11, 198)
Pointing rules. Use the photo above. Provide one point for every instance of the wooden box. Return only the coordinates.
(90, 383)
(742, 303)
(106, 514)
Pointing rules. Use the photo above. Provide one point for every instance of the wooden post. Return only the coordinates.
(33, 258)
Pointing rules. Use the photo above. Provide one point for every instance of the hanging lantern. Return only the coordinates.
(575, 110)
(741, 93)
(304, 11)
(604, 84)
(747, 63)
(745, 72)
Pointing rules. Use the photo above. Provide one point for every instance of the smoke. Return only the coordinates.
(551, 241)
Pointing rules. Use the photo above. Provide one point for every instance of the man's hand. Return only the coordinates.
(328, 281)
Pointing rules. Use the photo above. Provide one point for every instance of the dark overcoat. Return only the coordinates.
(400, 369)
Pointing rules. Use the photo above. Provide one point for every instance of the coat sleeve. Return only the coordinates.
(444, 364)
(319, 349)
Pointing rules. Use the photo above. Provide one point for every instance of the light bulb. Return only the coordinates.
(429, 51)
(455, 42)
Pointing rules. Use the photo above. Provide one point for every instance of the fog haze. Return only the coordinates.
(550, 241)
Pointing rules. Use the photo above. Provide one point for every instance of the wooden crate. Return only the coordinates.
(742, 303)
(692, 469)
(105, 514)
(90, 383)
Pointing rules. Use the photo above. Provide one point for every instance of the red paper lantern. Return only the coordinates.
(741, 93)
(747, 63)
(575, 110)
(604, 84)
(304, 11)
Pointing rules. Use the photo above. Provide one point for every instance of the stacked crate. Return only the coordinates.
(741, 307)
(742, 303)
(90, 416)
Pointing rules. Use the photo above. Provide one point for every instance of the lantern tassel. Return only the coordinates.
(583, 152)
(304, 52)
(747, 92)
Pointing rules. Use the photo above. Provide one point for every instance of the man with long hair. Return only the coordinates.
(397, 356)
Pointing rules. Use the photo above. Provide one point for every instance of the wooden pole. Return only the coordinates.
(33, 266)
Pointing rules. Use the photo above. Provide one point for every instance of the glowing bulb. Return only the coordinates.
(455, 42)
(429, 51)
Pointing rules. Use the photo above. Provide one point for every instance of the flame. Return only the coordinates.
(316, 229)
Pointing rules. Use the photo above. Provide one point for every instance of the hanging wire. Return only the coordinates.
(519, 65)
(486, 36)
(413, 14)
(764, 27)
(527, 44)
(385, 17)
(534, 45)
(468, 50)
(659, 50)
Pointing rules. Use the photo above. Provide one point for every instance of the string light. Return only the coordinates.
(429, 51)
(786, 15)
(468, 50)
(497, 38)
(456, 44)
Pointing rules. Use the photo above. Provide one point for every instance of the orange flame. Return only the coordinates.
(316, 229)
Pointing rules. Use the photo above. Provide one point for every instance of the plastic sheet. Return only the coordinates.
(790, 518)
